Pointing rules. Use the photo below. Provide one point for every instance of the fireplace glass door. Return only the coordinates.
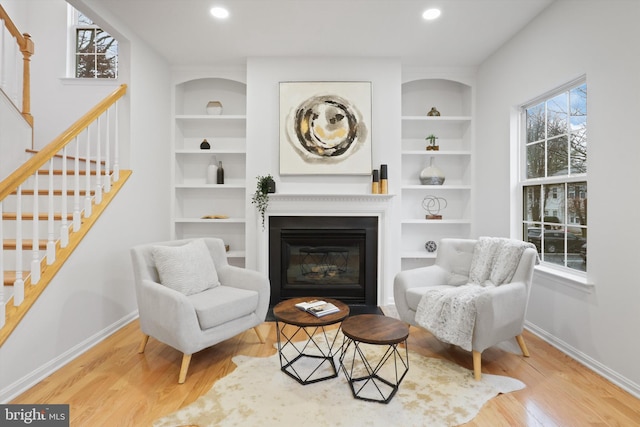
(324, 258)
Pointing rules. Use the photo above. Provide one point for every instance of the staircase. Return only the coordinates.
(49, 204)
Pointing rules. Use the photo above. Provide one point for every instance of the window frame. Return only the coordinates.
(72, 28)
(572, 275)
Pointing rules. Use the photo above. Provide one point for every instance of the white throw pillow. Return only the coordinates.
(188, 269)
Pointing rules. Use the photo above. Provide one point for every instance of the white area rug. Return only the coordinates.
(434, 393)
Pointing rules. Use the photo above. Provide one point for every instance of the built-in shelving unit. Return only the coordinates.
(192, 197)
(454, 129)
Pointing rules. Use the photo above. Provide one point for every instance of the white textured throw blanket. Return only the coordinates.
(449, 312)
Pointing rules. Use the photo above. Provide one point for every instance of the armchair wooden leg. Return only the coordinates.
(186, 359)
(143, 343)
(259, 334)
(477, 365)
(523, 346)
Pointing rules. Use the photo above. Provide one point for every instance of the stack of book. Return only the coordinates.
(318, 308)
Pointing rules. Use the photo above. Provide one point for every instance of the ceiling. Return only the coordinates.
(467, 32)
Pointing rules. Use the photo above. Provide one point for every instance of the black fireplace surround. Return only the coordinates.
(324, 256)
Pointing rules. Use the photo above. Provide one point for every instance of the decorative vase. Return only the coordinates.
(431, 246)
(433, 112)
(220, 174)
(271, 186)
(214, 108)
(212, 171)
(384, 183)
(204, 145)
(431, 175)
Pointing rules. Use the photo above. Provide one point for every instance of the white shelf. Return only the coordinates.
(205, 117)
(436, 153)
(211, 186)
(209, 221)
(454, 131)
(436, 221)
(332, 196)
(437, 187)
(236, 254)
(210, 151)
(191, 196)
(418, 255)
(450, 119)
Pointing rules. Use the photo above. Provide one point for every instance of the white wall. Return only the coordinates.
(93, 293)
(263, 77)
(56, 102)
(573, 38)
(15, 137)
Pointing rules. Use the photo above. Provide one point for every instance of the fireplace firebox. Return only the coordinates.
(323, 256)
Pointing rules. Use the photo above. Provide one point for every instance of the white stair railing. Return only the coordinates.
(51, 227)
(24, 181)
(35, 237)
(64, 196)
(18, 284)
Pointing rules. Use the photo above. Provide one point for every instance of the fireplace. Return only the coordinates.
(324, 256)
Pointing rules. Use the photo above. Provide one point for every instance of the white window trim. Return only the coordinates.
(558, 274)
(70, 74)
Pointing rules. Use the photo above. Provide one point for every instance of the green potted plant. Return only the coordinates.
(265, 185)
(431, 139)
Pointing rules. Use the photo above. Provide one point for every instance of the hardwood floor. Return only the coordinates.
(112, 385)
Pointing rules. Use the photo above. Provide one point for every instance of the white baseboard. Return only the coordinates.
(586, 360)
(28, 381)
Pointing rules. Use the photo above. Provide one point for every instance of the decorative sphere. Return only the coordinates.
(431, 246)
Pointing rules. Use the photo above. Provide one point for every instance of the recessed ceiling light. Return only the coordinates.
(431, 14)
(219, 12)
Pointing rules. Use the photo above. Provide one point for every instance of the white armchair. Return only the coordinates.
(500, 310)
(191, 319)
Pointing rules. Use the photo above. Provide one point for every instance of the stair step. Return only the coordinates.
(12, 216)
(69, 172)
(10, 277)
(27, 244)
(30, 192)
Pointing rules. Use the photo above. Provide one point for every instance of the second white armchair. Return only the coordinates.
(499, 310)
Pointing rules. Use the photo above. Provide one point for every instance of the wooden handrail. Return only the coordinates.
(32, 165)
(11, 27)
(27, 48)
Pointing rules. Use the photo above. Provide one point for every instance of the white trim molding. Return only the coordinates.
(585, 360)
(23, 384)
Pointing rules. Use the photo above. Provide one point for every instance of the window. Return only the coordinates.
(94, 53)
(554, 176)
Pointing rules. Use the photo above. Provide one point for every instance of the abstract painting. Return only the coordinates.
(325, 128)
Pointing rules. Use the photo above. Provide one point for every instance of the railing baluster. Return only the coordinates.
(87, 196)
(64, 224)
(98, 192)
(16, 72)
(116, 155)
(35, 253)
(107, 154)
(18, 284)
(3, 68)
(51, 243)
(76, 188)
